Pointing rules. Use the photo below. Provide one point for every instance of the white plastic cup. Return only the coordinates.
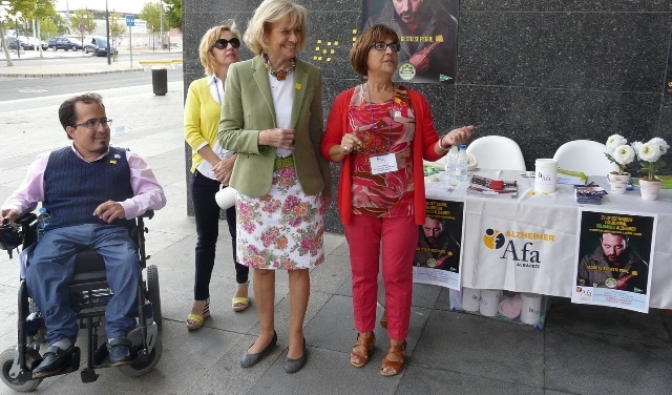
(226, 198)
(490, 301)
(471, 299)
(546, 175)
(531, 308)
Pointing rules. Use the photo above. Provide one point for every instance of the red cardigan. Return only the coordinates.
(424, 144)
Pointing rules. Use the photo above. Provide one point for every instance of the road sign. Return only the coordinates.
(130, 20)
(81, 27)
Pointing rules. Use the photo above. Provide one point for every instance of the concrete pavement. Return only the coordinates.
(582, 350)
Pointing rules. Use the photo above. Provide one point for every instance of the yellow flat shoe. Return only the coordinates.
(240, 304)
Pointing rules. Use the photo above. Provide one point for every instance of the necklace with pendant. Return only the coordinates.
(280, 75)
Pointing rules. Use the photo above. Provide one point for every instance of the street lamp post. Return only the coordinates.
(107, 30)
(18, 15)
(161, 5)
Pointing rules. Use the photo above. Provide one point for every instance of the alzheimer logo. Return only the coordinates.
(493, 239)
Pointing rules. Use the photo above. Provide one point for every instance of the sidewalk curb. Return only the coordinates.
(51, 74)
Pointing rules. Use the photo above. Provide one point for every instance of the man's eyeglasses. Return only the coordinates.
(222, 43)
(381, 46)
(92, 124)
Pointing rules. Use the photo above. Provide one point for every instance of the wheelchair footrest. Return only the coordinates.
(89, 375)
(100, 355)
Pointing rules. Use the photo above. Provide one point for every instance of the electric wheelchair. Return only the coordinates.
(89, 294)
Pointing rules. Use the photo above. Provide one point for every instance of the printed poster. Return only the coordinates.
(614, 260)
(427, 32)
(438, 255)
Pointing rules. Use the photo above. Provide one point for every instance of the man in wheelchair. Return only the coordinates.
(92, 192)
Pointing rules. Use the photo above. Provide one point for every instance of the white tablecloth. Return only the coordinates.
(549, 226)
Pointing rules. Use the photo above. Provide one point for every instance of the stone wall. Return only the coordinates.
(541, 72)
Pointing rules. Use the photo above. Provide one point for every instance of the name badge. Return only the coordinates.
(383, 163)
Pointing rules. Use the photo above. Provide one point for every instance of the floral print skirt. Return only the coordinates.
(283, 229)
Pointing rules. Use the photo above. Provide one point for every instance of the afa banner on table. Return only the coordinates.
(615, 258)
(427, 32)
(438, 257)
(512, 246)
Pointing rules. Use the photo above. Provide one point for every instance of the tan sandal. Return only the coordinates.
(392, 366)
(359, 355)
(240, 303)
(196, 321)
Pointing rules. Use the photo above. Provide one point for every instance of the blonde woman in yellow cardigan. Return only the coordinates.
(211, 167)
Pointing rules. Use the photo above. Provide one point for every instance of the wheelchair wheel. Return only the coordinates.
(137, 369)
(154, 294)
(7, 360)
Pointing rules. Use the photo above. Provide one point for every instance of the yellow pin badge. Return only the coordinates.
(297, 86)
(114, 159)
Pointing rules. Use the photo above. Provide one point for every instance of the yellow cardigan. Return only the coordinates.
(201, 119)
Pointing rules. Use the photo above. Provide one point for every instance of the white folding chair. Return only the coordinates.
(586, 156)
(497, 152)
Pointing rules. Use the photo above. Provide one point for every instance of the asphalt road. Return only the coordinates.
(28, 88)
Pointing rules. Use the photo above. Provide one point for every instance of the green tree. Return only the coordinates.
(48, 28)
(83, 16)
(151, 13)
(174, 13)
(116, 29)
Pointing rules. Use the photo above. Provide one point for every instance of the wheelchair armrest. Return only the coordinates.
(149, 214)
(26, 219)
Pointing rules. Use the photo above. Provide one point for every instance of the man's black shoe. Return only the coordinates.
(53, 361)
(120, 352)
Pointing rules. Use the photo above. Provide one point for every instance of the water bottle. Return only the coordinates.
(451, 165)
(461, 168)
(42, 221)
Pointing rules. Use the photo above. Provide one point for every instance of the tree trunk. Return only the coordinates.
(4, 46)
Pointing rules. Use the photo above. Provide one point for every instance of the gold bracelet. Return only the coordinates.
(438, 143)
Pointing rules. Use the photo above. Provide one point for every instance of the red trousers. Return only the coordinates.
(399, 237)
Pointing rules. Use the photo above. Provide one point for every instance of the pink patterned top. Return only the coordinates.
(383, 128)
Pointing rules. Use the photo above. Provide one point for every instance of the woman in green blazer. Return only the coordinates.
(272, 117)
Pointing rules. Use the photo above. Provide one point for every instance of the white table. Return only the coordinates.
(556, 216)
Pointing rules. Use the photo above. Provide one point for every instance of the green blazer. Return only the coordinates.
(248, 109)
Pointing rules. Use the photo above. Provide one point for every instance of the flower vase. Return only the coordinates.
(619, 182)
(649, 189)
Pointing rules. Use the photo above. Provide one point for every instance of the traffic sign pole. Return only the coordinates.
(130, 22)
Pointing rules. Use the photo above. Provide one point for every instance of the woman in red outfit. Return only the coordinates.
(381, 132)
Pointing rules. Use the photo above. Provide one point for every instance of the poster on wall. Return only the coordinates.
(668, 77)
(427, 32)
(438, 255)
(614, 260)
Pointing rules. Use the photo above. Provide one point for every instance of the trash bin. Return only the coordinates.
(160, 81)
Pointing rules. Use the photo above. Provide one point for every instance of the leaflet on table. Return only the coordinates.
(438, 255)
(589, 194)
(571, 177)
(479, 185)
(615, 260)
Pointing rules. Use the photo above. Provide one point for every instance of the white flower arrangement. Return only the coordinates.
(649, 155)
(619, 152)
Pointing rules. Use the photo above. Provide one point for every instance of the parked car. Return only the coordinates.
(12, 41)
(98, 46)
(34, 43)
(65, 43)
